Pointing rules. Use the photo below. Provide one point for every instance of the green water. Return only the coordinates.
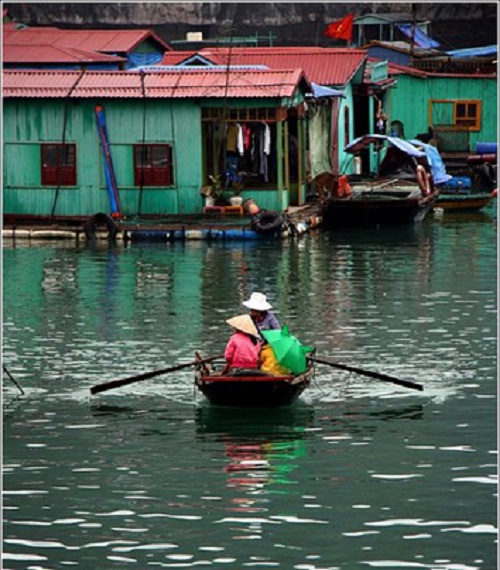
(358, 474)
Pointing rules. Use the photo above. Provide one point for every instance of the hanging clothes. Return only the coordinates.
(240, 140)
(232, 137)
(267, 139)
(319, 140)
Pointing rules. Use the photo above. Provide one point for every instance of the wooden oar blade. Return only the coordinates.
(146, 375)
(377, 375)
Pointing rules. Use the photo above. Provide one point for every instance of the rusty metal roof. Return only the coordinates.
(43, 53)
(202, 83)
(325, 66)
(107, 41)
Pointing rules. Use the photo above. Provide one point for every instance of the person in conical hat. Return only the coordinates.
(243, 347)
(260, 311)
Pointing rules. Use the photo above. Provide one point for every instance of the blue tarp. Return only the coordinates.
(323, 91)
(362, 142)
(139, 59)
(420, 38)
(474, 52)
(435, 161)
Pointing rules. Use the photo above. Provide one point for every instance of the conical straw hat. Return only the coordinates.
(244, 324)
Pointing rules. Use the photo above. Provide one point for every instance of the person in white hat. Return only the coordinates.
(243, 347)
(260, 311)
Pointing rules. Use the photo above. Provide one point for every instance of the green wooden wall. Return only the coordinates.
(409, 102)
(29, 122)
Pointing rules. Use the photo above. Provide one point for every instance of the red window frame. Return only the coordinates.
(58, 164)
(153, 165)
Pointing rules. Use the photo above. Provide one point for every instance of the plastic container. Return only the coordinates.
(486, 148)
(250, 207)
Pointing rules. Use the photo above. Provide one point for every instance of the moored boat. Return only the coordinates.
(464, 202)
(402, 192)
(251, 388)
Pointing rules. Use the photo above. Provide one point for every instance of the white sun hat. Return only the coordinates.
(244, 324)
(258, 302)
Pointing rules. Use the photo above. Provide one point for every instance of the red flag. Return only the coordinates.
(341, 29)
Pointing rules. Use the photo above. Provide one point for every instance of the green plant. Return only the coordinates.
(218, 192)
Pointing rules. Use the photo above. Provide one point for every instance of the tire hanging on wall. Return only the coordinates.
(97, 221)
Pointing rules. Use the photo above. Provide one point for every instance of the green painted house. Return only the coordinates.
(462, 109)
(168, 132)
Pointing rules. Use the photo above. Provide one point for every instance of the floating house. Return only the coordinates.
(80, 142)
(54, 48)
(390, 27)
(454, 110)
(333, 117)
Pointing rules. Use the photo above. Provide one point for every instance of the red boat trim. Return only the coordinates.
(208, 379)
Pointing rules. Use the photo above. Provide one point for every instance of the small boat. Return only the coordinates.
(399, 194)
(251, 388)
(468, 202)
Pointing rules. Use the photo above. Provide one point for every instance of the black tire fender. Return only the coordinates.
(98, 220)
(266, 221)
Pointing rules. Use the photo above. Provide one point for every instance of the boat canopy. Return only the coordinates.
(438, 168)
(362, 142)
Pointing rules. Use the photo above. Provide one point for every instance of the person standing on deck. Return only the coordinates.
(260, 311)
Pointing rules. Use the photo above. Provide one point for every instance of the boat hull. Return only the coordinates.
(252, 389)
(463, 203)
(375, 210)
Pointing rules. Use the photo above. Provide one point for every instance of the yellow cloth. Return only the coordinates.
(269, 363)
(232, 137)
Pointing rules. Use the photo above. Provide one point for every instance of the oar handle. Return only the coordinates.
(377, 375)
(124, 381)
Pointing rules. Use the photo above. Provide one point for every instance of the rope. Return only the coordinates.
(143, 150)
(63, 142)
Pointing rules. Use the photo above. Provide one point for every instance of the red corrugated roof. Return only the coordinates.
(176, 57)
(108, 41)
(38, 83)
(325, 66)
(395, 69)
(54, 54)
(201, 83)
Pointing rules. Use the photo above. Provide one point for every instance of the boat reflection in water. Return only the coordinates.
(262, 448)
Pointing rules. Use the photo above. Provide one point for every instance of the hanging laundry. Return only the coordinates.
(240, 142)
(267, 139)
(247, 133)
(231, 137)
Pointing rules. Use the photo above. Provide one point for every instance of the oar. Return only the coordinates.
(10, 376)
(147, 375)
(377, 375)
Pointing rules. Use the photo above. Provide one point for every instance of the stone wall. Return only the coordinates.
(455, 25)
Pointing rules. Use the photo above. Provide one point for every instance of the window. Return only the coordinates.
(153, 165)
(453, 115)
(467, 114)
(58, 164)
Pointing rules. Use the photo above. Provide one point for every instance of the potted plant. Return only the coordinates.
(217, 190)
(236, 199)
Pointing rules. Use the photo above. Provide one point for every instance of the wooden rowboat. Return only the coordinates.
(463, 202)
(251, 388)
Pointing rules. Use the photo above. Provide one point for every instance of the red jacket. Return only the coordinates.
(241, 352)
